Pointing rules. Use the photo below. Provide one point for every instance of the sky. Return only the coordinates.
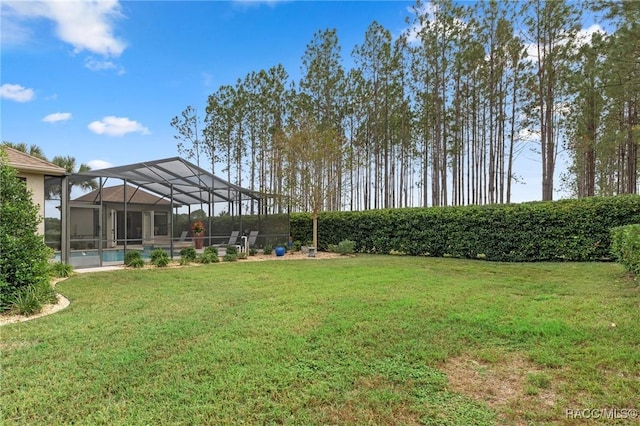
(101, 80)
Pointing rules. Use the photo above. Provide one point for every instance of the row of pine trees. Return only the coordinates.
(439, 115)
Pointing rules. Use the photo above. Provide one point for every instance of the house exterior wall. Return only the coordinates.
(35, 183)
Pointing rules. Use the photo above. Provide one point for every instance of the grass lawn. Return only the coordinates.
(364, 340)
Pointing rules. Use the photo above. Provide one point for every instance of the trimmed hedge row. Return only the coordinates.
(575, 230)
(625, 247)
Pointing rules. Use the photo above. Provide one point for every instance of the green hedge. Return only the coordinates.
(625, 246)
(576, 230)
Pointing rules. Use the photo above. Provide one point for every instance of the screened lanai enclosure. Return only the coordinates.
(155, 204)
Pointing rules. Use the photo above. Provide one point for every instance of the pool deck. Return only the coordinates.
(99, 269)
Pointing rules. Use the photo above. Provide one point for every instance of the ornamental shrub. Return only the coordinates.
(159, 258)
(60, 270)
(344, 247)
(625, 247)
(24, 258)
(230, 257)
(188, 254)
(133, 258)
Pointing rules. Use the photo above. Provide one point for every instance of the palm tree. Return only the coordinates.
(69, 164)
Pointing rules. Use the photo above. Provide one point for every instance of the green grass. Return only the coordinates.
(364, 340)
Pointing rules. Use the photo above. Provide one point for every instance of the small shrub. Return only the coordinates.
(132, 257)
(136, 263)
(45, 292)
(231, 250)
(159, 258)
(230, 257)
(209, 256)
(242, 255)
(268, 249)
(60, 270)
(26, 301)
(253, 251)
(213, 250)
(343, 247)
(297, 245)
(188, 254)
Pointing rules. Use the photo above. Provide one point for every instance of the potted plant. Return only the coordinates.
(197, 230)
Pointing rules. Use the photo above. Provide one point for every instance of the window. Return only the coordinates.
(160, 223)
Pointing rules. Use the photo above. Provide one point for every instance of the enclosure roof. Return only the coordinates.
(186, 182)
(116, 194)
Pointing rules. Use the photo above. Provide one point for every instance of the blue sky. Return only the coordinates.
(101, 80)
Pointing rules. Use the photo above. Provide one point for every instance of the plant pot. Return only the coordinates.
(280, 251)
(198, 241)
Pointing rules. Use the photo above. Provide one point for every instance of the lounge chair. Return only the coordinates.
(253, 236)
(233, 240)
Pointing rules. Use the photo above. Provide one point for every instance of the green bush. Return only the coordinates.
(231, 250)
(45, 292)
(133, 258)
(209, 257)
(188, 254)
(268, 249)
(625, 247)
(343, 247)
(26, 302)
(571, 230)
(297, 245)
(25, 258)
(30, 300)
(230, 257)
(253, 251)
(60, 270)
(159, 258)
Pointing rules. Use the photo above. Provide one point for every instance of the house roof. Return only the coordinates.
(116, 194)
(175, 179)
(27, 163)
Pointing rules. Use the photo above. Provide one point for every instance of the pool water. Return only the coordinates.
(89, 258)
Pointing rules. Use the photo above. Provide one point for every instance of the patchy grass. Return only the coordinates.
(370, 339)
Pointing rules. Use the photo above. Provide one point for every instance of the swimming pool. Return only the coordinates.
(90, 258)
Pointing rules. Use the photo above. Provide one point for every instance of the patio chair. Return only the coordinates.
(253, 236)
(233, 241)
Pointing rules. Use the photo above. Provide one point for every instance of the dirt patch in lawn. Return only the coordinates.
(516, 388)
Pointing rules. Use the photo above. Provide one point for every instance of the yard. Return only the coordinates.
(370, 339)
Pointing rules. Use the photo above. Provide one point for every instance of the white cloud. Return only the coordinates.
(581, 38)
(97, 65)
(12, 33)
(57, 116)
(413, 32)
(17, 93)
(117, 126)
(428, 13)
(99, 164)
(585, 34)
(86, 25)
